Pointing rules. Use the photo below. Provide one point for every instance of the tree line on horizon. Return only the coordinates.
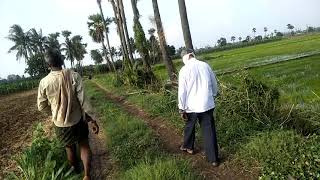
(32, 44)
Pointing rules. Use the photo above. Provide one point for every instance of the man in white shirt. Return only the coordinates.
(197, 91)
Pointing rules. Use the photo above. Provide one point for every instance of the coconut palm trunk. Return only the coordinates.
(139, 36)
(126, 34)
(120, 30)
(163, 44)
(185, 24)
(111, 64)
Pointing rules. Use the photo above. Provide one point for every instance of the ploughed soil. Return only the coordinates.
(171, 140)
(19, 114)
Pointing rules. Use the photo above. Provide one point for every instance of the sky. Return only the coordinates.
(208, 19)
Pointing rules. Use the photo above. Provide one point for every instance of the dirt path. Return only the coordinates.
(101, 163)
(18, 114)
(171, 139)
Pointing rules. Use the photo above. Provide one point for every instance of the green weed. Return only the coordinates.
(45, 159)
(283, 153)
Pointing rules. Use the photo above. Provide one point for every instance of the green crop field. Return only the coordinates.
(298, 81)
(17, 86)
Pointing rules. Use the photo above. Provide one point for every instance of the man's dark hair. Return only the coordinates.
(54, 58)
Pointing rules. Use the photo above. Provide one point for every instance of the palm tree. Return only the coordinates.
(233, 38)
(113, 51)
(37, 40)
(96, 56)
(79, 50)
(265, 29)
(254, 30)
(38, 44)
(67, 47)
(52, 41)
(139, 37)
(22, 42)
(240, 38)
(106, 22)
(290, 27)
(248, 38)
(126, 34)
(163, 44)
(185, 24)
(96, 31)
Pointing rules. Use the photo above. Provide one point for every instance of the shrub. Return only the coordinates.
(283, 153)
(244, 110)
(136, 77)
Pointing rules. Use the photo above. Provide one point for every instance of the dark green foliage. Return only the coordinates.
(284, 153)
(141, 43)
(279, 34)
(222, 42)
(171, 50)
(137, 77)
(36, 66)
(244, 110)
(96, 56)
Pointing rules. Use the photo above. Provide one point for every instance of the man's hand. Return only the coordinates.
(184, 116)
(95, 127)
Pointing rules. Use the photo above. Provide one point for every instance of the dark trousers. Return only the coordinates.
(207, 125)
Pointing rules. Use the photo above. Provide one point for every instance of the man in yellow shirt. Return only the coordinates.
(61, 94)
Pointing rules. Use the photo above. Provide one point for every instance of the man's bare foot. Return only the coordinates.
(86, 178)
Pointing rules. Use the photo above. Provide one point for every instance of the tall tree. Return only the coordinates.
(185, 24)
(38, 40)
(248, 38)
(254, 30)
(79, 50)
(96, 56)
(163, 44)
(96, 31)
(265, 29)
(233, 38)
(52, 41)
(22, 42)
(106, 29)
(290, 27)
(67, 47)
(222, 41)
(240, 38)
(126, 34)
(38, 44)
(139, 36)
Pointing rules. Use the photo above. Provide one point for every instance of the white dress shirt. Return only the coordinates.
(197, 87)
